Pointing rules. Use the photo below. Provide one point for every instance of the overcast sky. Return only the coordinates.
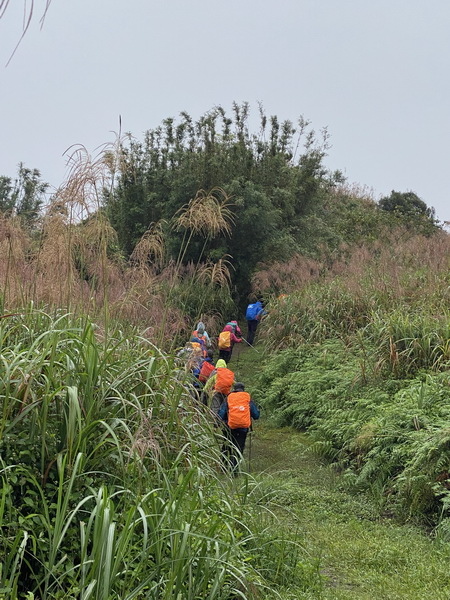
(374, 72)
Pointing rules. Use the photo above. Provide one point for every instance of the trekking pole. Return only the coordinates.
(238, 357)
(250, 448)
(250, 345)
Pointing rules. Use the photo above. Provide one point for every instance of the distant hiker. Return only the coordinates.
(253, 315)
(199, 343)
(220, 383)
(191, 355)
(226, 341)
(237, 411)
(236, 329)
(207, 367)
(202, 334)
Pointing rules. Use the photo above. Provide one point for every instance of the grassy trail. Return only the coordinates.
(360, 555)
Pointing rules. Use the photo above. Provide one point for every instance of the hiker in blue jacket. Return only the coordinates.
(253, 315)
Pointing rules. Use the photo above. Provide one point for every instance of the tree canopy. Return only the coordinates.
(273, 180)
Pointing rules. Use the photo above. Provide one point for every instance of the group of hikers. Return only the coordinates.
(229, 404)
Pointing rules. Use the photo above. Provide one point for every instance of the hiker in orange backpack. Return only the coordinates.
(237, 411)
(220, 383)
(226, 341)
(198, 342)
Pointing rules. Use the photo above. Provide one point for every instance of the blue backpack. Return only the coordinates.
(253, 311)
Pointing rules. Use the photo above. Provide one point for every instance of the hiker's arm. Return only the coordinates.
(254, 410)
(223, 411)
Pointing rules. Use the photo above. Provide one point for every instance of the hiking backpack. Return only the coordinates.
(224, 380)
(205, 371)
(253, 311)
(225, 340)
(239, 410)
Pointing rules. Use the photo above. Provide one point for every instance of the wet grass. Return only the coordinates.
(361, 555)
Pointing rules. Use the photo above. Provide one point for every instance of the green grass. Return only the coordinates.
(112, 479)
(362, 556)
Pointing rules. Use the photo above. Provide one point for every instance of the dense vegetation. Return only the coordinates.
(362, 363)
(112, 486)
(279, 190)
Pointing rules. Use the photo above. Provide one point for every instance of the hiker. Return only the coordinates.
(190, 354)
(237, 411)
(202, 334)
(253, 315)
(236, 329)
(226, 341)
(199, 343)
(220, 383)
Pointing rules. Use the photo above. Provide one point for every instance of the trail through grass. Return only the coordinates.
(361, 555)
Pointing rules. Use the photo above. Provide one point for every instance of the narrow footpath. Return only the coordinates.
(360, 554)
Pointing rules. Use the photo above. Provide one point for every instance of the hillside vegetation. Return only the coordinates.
(112, 485)
(360, 358)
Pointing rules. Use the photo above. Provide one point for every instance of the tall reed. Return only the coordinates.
(111, 474)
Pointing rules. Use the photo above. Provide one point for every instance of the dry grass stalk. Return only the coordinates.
(145, 440)
(216, 274)
(56, 280)
(286, 276)
(75, 264)
(15, 245)
(151, 248)
(207, 214)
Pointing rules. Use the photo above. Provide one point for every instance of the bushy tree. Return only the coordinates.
(411, 209)
(274, 179)
(23, 196)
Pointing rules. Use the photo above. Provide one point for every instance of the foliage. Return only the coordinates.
(411, 209)
(25, 196)
(111, 478)
(74, 262)
(392, 434)
(271, 184)
(363, 285)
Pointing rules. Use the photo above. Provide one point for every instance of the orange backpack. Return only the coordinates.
(224, 380)
(205, 371)
(239, 410)
(225, 340)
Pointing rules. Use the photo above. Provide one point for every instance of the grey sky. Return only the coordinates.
(376, 73)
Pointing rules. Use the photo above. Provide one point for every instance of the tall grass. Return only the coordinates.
(393, 296)
(73, 262)
(111, 475)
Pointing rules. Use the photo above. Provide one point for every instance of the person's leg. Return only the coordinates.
(252, 325)
(227, 450)
(238, 437)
